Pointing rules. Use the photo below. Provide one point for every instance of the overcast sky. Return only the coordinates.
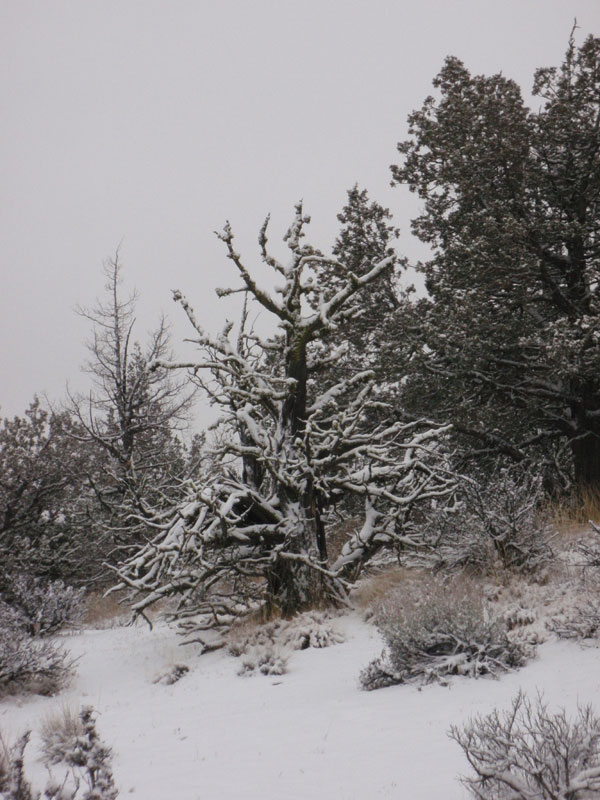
(150, 123)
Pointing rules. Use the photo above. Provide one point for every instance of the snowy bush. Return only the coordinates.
(30, 665)
(90, 760)
(43, 607)
(582, 623)
(80, 749)
(266, 648)
(13, 784)
(57, 732)
(440, 637)
(311, 629)
(588, 551)
(497, 522)
(526, 753)
(267, 659)
(172, 675)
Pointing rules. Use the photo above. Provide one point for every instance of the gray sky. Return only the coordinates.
(151, 123)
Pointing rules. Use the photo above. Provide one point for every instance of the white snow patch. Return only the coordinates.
(310, 733)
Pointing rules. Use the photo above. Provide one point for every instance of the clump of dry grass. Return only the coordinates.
(58, 730)
(569, 514)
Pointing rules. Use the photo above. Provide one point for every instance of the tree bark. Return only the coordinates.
(586, 460)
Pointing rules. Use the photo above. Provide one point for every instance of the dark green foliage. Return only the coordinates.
(45, 503)
(511, 210)
(365, 238)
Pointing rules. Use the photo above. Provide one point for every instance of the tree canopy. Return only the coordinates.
(511, 211)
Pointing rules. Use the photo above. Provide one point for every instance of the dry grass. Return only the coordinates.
(58, 731)
(105, 611)
(572, 514)
(417, 586)
(372, 590)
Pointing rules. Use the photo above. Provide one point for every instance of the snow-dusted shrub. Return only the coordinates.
(442, 636)
(497, 522)
(31, 665)
(516, 616)
(57, 733)
(311, 629)
(4, 761)
(13, 783)
(588, 551)
(10, 618)
(267, 659)
(172, 675)
(582, 623)
(266, 648)
(43, 606)
(526, 753)
(89, 759)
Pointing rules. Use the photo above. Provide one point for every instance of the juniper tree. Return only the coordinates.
(511, 211)
(43, 496)
(366, 237)
(291, 445)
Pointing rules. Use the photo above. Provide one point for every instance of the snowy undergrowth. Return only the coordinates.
(267, 648)
(86, 773)
(528, 752)
(309, 732)
(438, 636)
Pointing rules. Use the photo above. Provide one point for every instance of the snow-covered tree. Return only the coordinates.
(255, 533)
(511, 210)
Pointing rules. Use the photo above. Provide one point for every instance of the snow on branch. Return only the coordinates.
(289, 452)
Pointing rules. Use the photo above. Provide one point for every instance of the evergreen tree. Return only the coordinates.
(511, 333)
(366, 237)
(44, 499)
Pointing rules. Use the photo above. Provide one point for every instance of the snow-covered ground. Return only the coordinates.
(310, 734)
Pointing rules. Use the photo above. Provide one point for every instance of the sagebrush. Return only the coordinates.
(440, 636)
(29, 664)
(90, 776)
(527, 753)
(42, 607)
